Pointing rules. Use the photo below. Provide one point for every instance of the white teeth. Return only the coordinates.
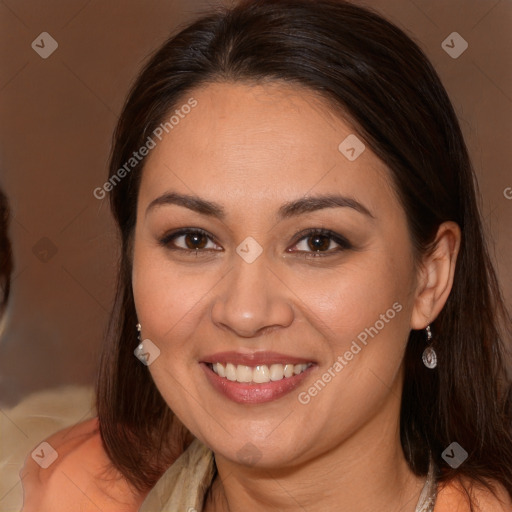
(288, 370)
(219, 369)
(243, 373)
(276, 372)
(298, 368)
(230, 371)
(259, 374)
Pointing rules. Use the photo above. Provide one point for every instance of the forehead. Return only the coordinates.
(261, 141)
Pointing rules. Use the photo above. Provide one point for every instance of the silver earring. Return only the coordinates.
(139, 351)
(429, 354)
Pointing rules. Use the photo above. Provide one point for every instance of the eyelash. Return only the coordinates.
(343, 243)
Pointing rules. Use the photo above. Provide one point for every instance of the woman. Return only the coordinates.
(304, 283)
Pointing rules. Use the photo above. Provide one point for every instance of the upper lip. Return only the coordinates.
(254, 358)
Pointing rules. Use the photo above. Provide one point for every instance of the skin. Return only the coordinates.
(252, 148)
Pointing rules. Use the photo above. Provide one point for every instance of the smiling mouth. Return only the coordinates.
(259, 374)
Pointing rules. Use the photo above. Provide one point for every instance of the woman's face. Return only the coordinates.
(254, 292)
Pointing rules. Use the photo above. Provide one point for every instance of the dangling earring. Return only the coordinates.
(140, 347)
(429, 354)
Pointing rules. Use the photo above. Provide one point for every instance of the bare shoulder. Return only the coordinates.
(499, 501)
(454, 498)
(71, 471)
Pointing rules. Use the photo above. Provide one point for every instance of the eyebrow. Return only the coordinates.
(287, 210)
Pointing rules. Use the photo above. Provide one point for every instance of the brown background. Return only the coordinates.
(57, 118)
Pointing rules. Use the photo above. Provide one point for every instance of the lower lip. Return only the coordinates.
(248, 393)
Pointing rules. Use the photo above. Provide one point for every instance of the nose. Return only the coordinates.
(252, 300)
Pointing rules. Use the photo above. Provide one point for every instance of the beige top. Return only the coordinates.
(67, 485)
(183, 486)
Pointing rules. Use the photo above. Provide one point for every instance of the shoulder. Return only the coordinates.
(453, 497)
(71, 471)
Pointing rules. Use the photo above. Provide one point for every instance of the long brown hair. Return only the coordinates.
(6, 259)
(381, 82)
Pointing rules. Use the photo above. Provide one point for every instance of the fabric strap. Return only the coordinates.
(183, 486)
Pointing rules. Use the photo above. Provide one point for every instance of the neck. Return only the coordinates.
(362, 473)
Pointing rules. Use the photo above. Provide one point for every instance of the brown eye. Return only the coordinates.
(196, 241)
(320, 242)
(189, 240)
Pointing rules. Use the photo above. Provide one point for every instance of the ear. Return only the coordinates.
(435, 276)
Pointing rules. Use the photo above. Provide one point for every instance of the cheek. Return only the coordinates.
(363, 313)
(343, 303)
(167, 300)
